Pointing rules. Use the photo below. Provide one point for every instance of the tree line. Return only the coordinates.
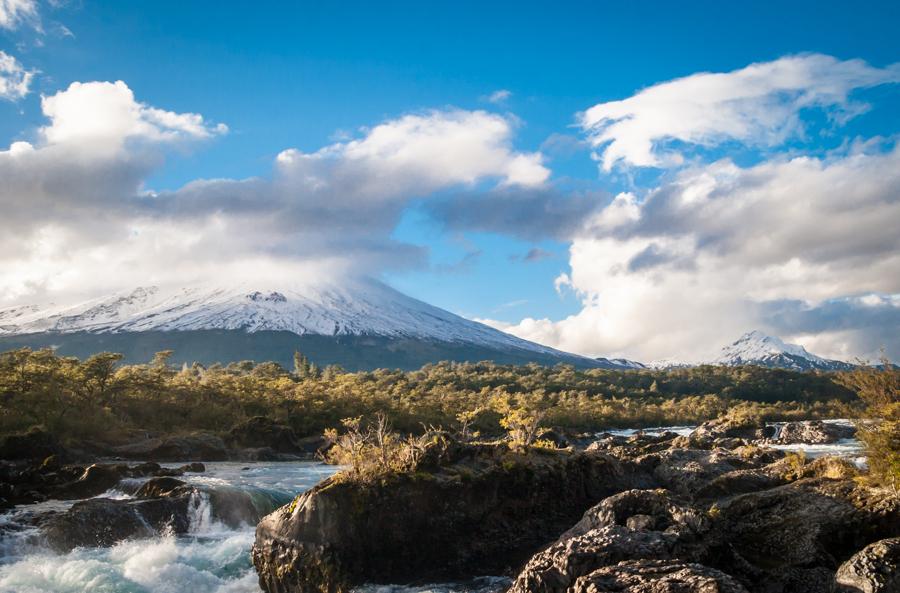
(101, 398)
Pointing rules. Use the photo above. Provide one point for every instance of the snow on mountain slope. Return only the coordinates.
(623, 363)
(760, 349)
(350, 308)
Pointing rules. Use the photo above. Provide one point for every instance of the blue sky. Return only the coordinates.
(307, 75)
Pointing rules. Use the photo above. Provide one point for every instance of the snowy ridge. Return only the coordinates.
(623, 363)
(760, 349)
(351, 307)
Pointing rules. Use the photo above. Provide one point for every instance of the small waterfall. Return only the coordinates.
(200, 518)
(779, 427)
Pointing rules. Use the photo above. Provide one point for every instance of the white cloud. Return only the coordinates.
(498, 97)
(77, 214)
(783, 246)
(419, 154)
(14, 13)
(757, 105)
(15, 80)
(102, 116)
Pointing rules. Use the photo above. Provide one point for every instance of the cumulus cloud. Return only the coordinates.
(102, 116)
(759, 105)
(784, 246)
(15, 79)
(14, 13)
(78, 213)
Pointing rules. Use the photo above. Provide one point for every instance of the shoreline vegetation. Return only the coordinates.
(99, 399)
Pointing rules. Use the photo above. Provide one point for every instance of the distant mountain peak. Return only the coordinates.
(758, 348)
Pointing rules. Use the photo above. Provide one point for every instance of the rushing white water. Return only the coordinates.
(655, 431)
(849, 448)
(212, 558)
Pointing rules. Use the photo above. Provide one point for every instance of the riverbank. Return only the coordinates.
(716, 509)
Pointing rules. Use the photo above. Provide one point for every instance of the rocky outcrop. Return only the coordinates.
(193, 447)
(103, 522)
(26, 483)
(35, 444)
(483, 511)
(874, 569)
(657, 576)
(812, 432)
(790, 534)
(261, 432)
(632, 525)
(722, 516)
(163, 504)
(733, 427)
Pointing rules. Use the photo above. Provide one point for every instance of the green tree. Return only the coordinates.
(879, 429)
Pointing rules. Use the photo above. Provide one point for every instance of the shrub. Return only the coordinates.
(879, 428)
(376, 451)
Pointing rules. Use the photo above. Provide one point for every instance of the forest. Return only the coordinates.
(100, 398)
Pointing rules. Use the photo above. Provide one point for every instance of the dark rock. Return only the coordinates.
(95, 480)
(104, 522)
(162, 505)
(157, 487)
(36, 444)
(874, 569)
(633, 446)
(665, 510)
(781, 538)
(482, 510)
(687, 471)
(148, 468)
(657, 576)
(733, 427)
(641, 522)
(51, 464)
(260, 432)
(813, 432)
(266, 454)
(631, 525)
(554, 437)
(557, 568)
(193, 447)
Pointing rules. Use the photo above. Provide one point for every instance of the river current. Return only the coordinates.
(211, 558)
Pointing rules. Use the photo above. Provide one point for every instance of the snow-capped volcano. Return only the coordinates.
(320, 315)
(759, 349)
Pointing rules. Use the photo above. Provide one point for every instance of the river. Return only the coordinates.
(211, 558)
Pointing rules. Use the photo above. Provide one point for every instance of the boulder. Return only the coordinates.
(96, 479)
(657, 576)
(813, 432)
(158, 487)
(104, 522)
(162, 504)
(733, 427)
(874, 569)
(267, 454)
(261, 432)
(658, 510)
(482, 509)
(631, 525)
(192, 447)
(785, 538)
(557, 568)
(634, 446)
(36, 444)
(687, 471)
